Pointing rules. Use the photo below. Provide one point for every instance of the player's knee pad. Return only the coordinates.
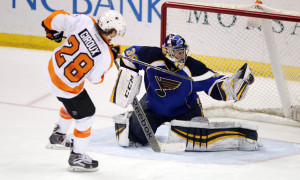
(80, 106)
(122, 128)
(215, 136)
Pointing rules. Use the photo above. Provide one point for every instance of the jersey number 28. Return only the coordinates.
(80, 65)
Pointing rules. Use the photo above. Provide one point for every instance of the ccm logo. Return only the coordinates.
(129, 86)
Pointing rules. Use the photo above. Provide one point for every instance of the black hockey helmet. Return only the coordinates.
(176, 50)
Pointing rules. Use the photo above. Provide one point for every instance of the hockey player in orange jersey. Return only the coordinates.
(85, 54)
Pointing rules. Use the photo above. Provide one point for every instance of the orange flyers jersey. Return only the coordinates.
(85, 54)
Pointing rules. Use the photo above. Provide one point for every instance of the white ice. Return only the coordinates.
(28, 113)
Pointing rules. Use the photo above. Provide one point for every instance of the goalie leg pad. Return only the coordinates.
(215, 136)
(200, 119)
(126, 88)
(122, 128)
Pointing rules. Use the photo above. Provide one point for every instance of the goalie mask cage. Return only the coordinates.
(225, 36)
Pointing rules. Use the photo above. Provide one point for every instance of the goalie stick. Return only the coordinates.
(157, 68)
(154, 67)
(144, 123)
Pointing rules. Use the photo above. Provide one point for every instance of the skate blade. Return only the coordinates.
(81, 169)
(57, 147)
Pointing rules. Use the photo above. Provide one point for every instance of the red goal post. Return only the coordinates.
(221, 36)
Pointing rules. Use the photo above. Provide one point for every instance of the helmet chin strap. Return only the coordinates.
(109, 38)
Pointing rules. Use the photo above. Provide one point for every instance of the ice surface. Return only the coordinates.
(104, 141)
(28, 114)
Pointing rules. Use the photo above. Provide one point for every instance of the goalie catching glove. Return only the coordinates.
(126, 88)
(53, 35)
(236, 86)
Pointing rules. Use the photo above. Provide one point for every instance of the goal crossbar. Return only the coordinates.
(198, 7)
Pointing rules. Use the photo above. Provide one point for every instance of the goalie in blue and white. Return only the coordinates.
(172, 99)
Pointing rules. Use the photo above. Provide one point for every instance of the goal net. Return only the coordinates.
(225, 36)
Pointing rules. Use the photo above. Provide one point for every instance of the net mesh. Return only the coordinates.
(224, 42)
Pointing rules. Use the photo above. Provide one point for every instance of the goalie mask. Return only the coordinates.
(176, 50)
(112, 20)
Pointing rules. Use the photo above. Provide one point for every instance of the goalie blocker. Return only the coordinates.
(126, 88)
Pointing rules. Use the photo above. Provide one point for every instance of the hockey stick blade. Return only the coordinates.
(170, 147)
(153, 142)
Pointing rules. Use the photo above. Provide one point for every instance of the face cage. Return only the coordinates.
(179, 63)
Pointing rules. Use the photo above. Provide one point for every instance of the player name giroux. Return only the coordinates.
(89, 43)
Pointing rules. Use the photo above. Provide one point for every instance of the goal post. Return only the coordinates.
(225, 36)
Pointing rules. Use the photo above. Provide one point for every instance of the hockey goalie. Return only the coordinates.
(174, 100)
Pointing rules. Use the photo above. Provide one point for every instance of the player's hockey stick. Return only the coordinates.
(144, 123)
(157, 68)
(154, 67)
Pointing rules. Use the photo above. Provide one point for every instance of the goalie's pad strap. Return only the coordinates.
(215, 136)
(126, 88)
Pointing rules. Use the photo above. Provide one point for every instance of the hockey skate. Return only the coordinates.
(58, 140)
(82, 163)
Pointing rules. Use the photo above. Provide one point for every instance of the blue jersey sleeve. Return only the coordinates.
(131, 52)
(205, 81)
(203, 77)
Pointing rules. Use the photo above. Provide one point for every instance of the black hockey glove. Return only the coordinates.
(53, 35)
(115, 50)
